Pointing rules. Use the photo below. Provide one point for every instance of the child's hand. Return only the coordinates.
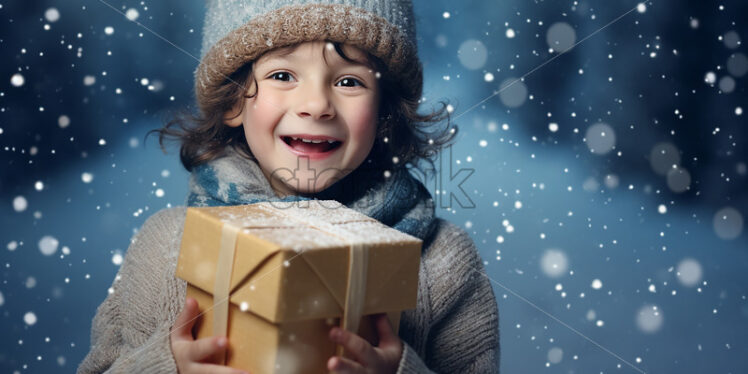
(188, 352)
(383, 359)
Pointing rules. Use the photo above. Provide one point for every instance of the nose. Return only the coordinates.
(314, 102)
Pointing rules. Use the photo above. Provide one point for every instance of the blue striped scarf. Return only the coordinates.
(399, 201)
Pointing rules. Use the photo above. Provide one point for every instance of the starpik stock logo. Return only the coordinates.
(447, 186)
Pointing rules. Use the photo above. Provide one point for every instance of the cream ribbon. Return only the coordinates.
(222, 285)
(357, 273)
(356, 289)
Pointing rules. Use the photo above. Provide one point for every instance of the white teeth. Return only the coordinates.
(312, 141)
(330, 141)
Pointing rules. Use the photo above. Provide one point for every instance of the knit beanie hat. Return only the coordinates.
(239, 31)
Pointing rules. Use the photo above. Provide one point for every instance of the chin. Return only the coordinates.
(317, 187)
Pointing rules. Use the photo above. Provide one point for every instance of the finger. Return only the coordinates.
(342, 365)
(182, 328)
(203, 348)
(385, 332)
(217, 369)
(357, 346)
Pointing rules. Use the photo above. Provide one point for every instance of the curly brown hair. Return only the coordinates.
(403, 136)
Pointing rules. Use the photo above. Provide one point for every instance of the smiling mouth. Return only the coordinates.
(311, 146)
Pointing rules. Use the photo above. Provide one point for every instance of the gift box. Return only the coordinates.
(276, 277)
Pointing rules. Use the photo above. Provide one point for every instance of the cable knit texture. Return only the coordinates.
(454, 328)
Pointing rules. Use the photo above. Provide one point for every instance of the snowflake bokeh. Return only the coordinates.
(607, 192)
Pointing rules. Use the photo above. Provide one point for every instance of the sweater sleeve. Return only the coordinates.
(464, 332)
(130, 331)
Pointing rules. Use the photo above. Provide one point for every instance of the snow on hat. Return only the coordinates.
(238, 31)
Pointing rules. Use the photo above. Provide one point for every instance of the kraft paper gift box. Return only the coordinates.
(291, 271)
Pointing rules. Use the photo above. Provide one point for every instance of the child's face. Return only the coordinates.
(305, 94)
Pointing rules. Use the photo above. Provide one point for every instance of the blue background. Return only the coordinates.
(643, 72)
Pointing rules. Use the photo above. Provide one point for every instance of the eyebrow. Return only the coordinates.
(286, 54)
(284, 51)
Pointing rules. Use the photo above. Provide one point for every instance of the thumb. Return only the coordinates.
(385, 331)
(182, 328)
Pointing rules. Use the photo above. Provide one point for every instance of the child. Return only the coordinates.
(302, 100)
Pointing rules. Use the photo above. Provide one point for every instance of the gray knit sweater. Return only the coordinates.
(454, 328)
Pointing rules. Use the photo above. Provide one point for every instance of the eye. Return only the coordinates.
(351, 82)
(282, 74)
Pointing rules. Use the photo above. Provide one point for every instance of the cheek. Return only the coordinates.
(261, 116)
(363, 123)
(261, 113)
